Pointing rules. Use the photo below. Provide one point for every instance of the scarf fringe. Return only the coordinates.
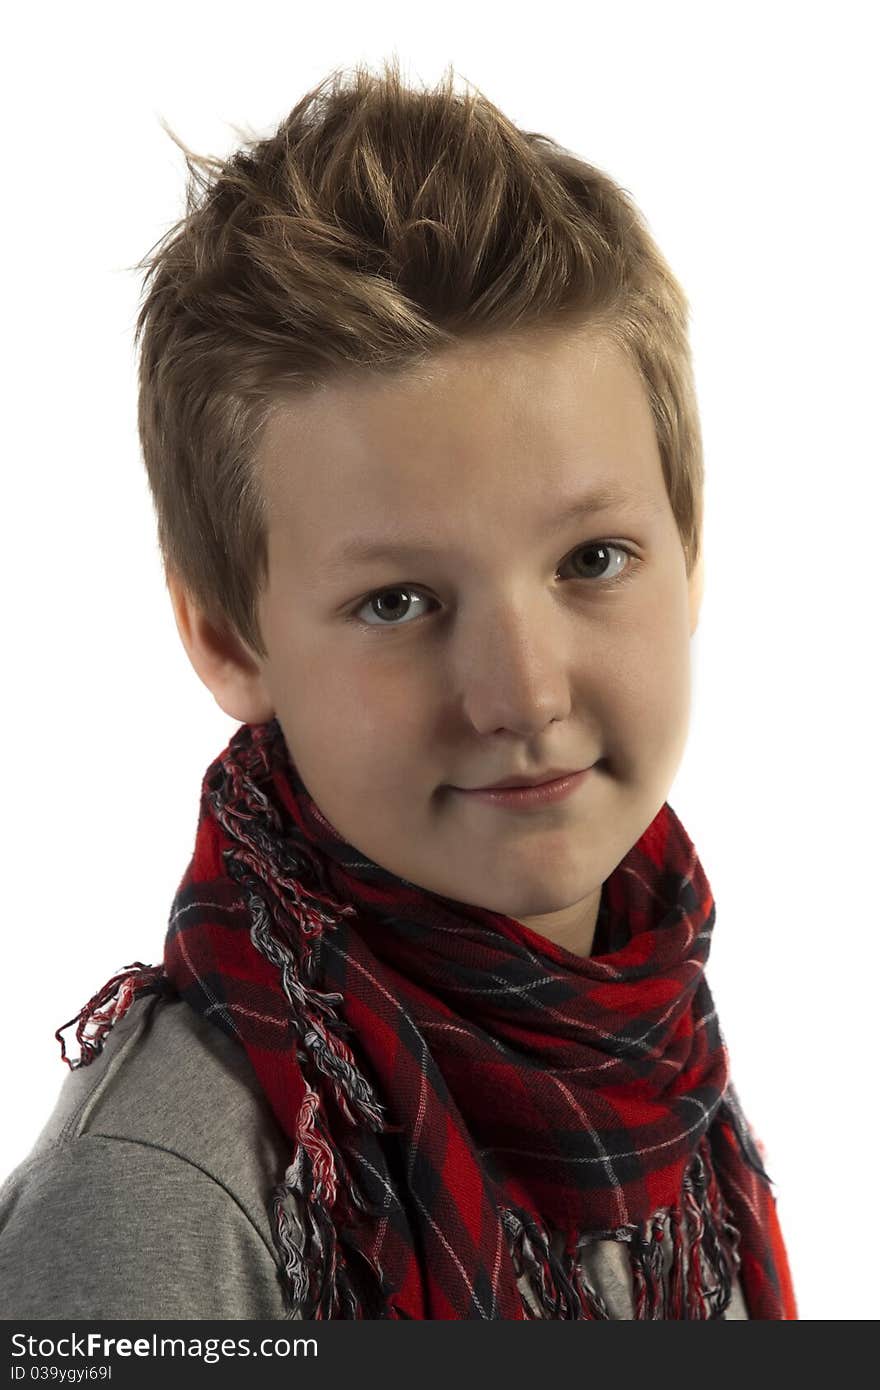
(560, 1287)
(319, 1205)
(119, 993)
(328, 1273)
(698, 1284)
(322, 1240)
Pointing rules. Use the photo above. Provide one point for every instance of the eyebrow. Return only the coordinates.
(359, 550)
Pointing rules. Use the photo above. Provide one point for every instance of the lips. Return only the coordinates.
(523, 780)
(535, 797)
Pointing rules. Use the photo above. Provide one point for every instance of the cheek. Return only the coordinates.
(643, 684)
(664, 716)
(361, 712)
(390, 701)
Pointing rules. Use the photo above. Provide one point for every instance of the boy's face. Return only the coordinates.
(509, 650)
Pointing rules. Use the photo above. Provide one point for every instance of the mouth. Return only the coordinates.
(517, 781)
(522, 797)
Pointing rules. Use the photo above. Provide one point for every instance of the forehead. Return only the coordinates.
(481, 432)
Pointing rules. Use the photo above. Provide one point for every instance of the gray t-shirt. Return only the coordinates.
(148, 1192)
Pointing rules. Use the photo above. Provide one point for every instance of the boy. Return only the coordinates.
(418, 417)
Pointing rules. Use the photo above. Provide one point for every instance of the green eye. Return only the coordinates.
(603, 548)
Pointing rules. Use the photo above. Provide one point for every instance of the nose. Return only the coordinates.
(513, 671)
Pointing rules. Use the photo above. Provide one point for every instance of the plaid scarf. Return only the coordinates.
(456, 1088)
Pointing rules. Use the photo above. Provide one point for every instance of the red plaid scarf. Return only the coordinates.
(457, 1088)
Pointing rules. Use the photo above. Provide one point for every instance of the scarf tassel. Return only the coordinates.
(94, 1021)
(560, 1287)
(699, 1283)
(328, 1274)
(318, 1234)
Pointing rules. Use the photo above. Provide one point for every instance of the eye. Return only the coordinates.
(400, 604)
(603, 548)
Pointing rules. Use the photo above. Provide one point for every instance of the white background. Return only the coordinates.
(747, 135)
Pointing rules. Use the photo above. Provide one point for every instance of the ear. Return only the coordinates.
(695, 593)
(220, 659)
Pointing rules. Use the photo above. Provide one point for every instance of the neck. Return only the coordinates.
(573, 928)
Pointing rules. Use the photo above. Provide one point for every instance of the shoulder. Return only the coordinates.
(148, 1191)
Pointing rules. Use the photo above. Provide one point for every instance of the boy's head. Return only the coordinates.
(402, 320)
